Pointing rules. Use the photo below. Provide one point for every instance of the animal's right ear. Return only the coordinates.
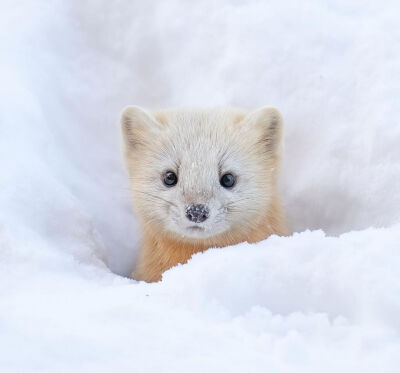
(138, 127)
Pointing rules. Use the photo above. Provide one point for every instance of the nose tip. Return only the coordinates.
(197, 213)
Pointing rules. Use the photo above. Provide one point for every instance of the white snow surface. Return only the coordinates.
(326, 299)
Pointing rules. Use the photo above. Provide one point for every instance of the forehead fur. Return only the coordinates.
(191, 127)
(190, 135)
(206, 132)
(203, 118)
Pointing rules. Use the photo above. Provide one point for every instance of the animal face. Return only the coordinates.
(201, 174)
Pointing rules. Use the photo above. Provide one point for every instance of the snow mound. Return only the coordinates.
(297, 304)
(311, 302)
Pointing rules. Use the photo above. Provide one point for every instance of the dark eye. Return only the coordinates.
(170, 179)
(227, 180)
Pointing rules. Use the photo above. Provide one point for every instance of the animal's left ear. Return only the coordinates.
(266, 123)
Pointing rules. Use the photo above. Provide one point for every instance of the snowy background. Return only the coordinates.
(326, 299)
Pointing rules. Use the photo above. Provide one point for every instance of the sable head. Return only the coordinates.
(200, 174)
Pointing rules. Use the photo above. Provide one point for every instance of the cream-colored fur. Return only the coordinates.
(199, 146)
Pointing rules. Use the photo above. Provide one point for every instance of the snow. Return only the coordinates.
(325, 299)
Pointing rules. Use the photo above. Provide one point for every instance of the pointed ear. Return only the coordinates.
(266, 123)
(138, 127)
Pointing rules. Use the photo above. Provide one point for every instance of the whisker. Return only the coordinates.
(156, 197)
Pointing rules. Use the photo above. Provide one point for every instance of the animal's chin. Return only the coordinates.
(185, 230)
(196, 232)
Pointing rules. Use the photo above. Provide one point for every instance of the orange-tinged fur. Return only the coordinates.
(160, 252)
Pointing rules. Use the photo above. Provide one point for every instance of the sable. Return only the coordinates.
(201, 179)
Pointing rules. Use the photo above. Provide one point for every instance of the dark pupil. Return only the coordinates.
(170, 178)
(227, 180)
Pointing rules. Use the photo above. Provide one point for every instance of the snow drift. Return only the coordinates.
(310, 302)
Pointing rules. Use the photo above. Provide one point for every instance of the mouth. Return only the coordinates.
(195, 228)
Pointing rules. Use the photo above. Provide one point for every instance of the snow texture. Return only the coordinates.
(326, 299)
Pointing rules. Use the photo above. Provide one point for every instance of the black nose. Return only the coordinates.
(197, 213)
